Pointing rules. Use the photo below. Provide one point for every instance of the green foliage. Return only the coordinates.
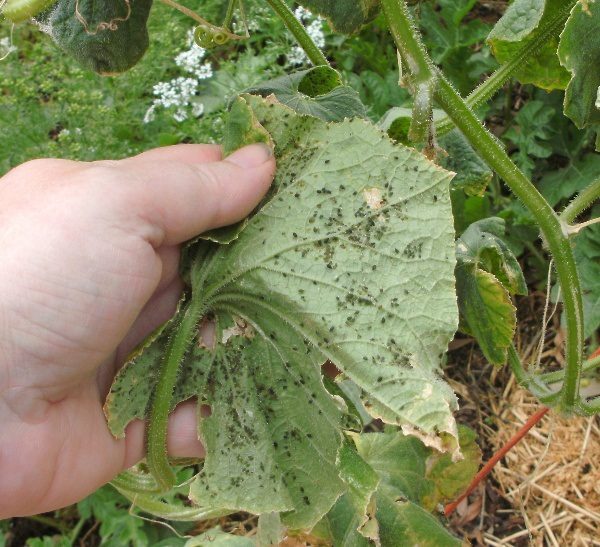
(581, 99)
(454, 152)
(531, 134)
(350, 257)
(450, 39)
(486, 274)
(560, 185)
(522, 22)
(117, 526)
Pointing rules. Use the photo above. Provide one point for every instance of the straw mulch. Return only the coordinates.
(552, 477)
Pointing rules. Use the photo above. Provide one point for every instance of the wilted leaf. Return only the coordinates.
(350, 259)
(401, 463)
(347, 16)
(486, 273)
(451, 478)
(318, 92)
(522, 22)
(482, 245)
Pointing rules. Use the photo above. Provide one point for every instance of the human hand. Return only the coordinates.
(89, 257)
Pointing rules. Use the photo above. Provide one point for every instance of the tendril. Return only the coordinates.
(112, 25)
(208, 37)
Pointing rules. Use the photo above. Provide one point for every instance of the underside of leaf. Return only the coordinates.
(350, 259)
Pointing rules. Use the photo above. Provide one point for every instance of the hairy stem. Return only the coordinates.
(297, 29)
(486, 90)
(229, 14)
(169, 511)
(421, 70)
(139, 483)
(583, 201)
(158, 461)
(494, 155)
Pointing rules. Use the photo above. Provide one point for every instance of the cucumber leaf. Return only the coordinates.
(486, 274)
(579, 52)
(520, 24)
(351, 259)
(108, 37)
(587, 257)
(347, 16)
(317, 92)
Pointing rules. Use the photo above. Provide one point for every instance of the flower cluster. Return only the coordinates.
(180, 94)
(314, 28)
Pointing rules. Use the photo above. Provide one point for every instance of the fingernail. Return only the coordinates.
(252, 155)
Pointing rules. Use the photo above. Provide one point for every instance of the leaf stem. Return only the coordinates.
(584, 200)
(494, 155)
(486, 90)
(422, 72)
(297, 29)
(229, 14)
(139, 483)
(576, 228)
(157, 459)
(557, 376)
(187, 11)
(170, 511)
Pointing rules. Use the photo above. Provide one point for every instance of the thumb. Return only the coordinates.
(178, 198)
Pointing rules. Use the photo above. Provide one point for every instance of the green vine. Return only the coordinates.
(583, 201)
(297, 29)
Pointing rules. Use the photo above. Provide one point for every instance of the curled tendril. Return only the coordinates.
(209, 37)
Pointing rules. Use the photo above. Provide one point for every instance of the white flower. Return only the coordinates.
(314, 28)
(179, 93)
(190, 59)
(180, 115)
(204, 72)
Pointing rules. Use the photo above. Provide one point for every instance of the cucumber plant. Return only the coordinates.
(351, 258)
